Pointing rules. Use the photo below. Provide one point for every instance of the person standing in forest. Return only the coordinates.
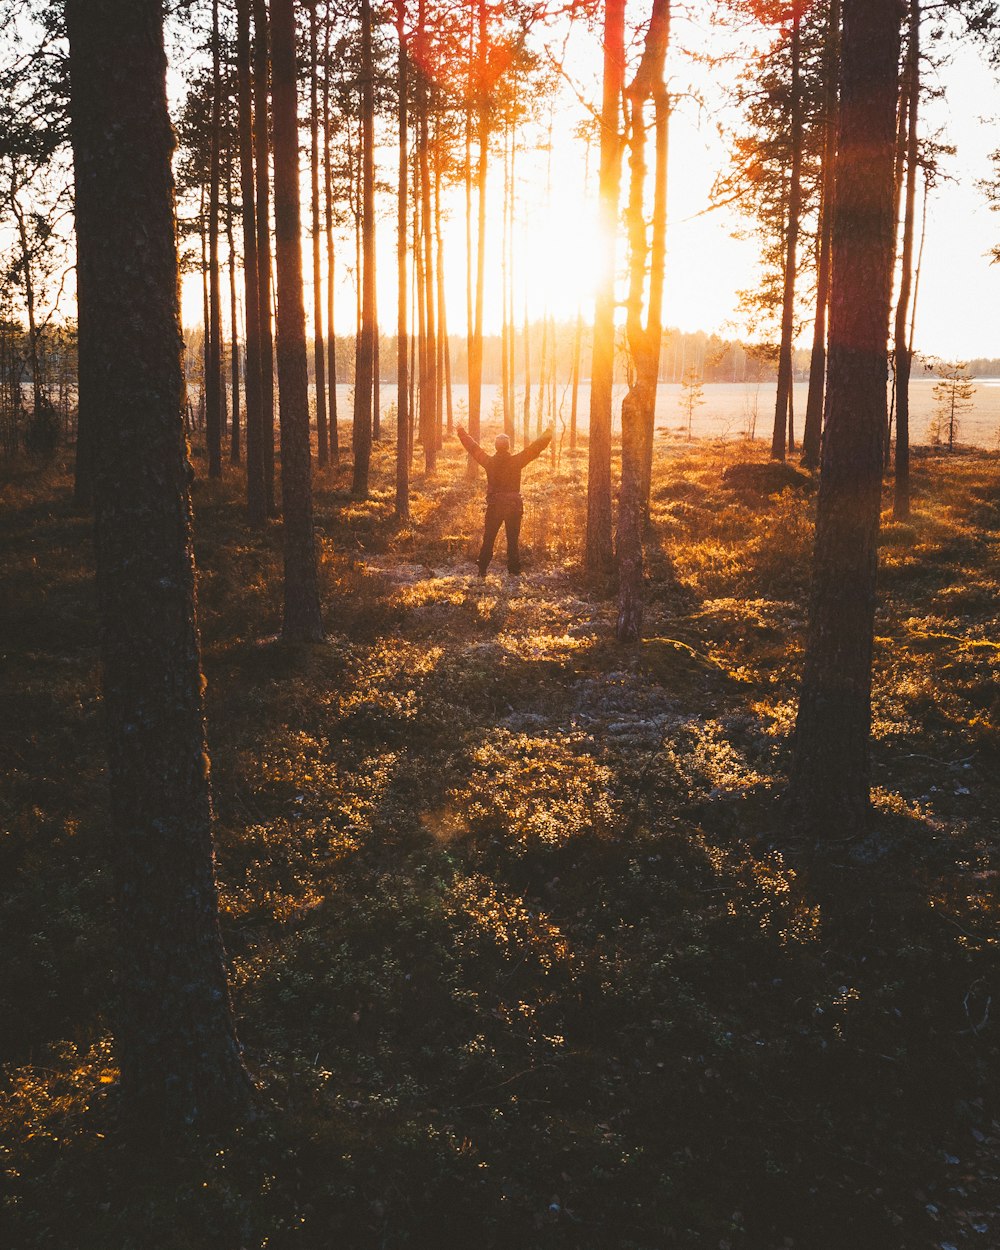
(504, 505)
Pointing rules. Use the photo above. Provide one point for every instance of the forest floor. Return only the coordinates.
(522, 952)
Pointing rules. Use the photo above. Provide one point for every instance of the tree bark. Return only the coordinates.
(813, 431)
(402, 327)
(644, 340)
(831, 767)
(903, 344)
(366, 347)
(214, 405)
(235, 441)
(175, 1038)
(575, 393)
(598, 552)
(301, 621)
(483, 140)
(331, 334)
(263, 200)
(782, 420)
(256, 482)
(319, 343)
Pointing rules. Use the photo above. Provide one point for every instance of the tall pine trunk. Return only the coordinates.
(301, 621)
(831, 764)
(262, 162)
(364, 371)
(903, 345)
(598, 552)
(331, 335)
(319, 345)
(175, 1038)
(256, 481)
(402, 329)
(214, 403)
(235, 442)
(483, 140)
(782, 408)
(647, 260)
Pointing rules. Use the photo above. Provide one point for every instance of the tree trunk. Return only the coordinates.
(831, 767)
(645, 341)
(598, 552)
(214, 419)
(781, 408)
(319, 344)
(376, 363)
(476, 338)
(301, 621)
(577, 349)
(543, 376)
(331, 333)
(175, 1038)
(362, 438)
(402, 328)
(903, 345)
(256, 481)
(628, 627)
(235, 446)
(428, 370)
(813, 430)
(506, 390)
(263, 198)
(527, 374)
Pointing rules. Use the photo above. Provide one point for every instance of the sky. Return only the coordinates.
(706, 265)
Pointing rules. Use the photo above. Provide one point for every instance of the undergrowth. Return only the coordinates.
(520, 952)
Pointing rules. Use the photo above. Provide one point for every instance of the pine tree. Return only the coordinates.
(176, 1043)
(831, 764)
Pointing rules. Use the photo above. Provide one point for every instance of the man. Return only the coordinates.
(504, 505)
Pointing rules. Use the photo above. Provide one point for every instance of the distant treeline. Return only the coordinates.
(707, 357)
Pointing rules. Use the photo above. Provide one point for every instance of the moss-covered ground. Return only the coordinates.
(522, 952)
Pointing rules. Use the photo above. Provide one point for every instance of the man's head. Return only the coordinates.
(502, 442)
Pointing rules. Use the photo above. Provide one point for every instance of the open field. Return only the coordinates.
(523, 954)
(733, 409)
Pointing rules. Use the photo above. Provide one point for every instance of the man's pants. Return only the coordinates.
(506, 512)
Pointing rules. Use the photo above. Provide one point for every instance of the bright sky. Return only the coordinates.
(706, 266)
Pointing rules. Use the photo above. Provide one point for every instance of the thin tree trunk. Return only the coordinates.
(813, 431)
(331, 333)
(505, 327)
(301, 621)
(512, 336)
(428, 370)
(577, 351)
(543, 376)
(781, 409)
(598, 552)
(214, 406)
(831, 765)
(645, 341)
(256, 481)
(175, 1038)
(235, 448)
(402, 328)
(527, 373)
(366, 353)
(903, 344)
(476, 339)
(376, 370)
(262, 168)
(319, 343)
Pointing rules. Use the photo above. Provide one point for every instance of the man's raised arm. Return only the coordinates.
(472, 447)
(535, 449)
